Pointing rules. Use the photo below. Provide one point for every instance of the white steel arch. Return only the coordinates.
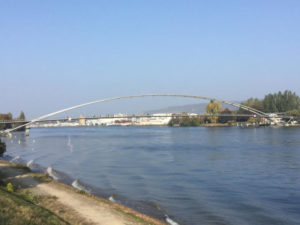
(252, 110)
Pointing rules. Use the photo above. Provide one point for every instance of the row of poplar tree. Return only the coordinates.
(286, 102)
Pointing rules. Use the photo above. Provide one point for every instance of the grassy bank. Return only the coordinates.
(17, 209)
(18, 206)
(34, 198)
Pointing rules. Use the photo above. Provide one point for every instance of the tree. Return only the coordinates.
(287, 101)
(252, 120)
(281, 102)
(225, 119)
(294, 112)
(174, 121)
(184, 121)
(213, 108)
(22, 116)
(8, 117)
(254, 103)
(194, 121)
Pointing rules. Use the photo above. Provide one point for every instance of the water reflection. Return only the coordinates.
(69, 144)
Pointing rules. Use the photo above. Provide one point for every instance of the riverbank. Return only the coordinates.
(36, 197)
(236, 124)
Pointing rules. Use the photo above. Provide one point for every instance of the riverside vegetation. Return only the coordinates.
(9, 117)
(21, 207)
(2, 147)
(286, 103)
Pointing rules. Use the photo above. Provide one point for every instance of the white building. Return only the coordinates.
(157, 119)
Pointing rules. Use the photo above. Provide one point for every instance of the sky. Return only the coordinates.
(55, 54)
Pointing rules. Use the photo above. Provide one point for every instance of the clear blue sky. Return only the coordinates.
(55, 54)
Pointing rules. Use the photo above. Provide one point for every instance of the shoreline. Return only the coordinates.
(72, 202)
(235, 124)
(143, 207)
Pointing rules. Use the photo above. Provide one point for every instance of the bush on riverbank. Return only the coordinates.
(2, 147)
(10, 187)
(186, 121)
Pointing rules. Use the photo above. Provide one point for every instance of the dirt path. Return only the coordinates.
(90, 209)
(68, 203)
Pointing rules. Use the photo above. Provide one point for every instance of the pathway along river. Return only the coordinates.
(195, 176)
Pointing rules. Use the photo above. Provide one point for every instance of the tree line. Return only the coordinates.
(286, 103)
(9, 117)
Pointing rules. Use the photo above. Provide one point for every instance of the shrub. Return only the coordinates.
(10, 187)
(81, 192)
(2, 147)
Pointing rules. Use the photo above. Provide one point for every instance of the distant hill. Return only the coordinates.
(191, 108)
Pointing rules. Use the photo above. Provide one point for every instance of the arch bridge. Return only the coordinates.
(237, 105)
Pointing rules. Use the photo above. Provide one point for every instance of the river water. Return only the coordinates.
(230, 175)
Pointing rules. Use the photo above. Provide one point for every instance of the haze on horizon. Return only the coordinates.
(55, 54)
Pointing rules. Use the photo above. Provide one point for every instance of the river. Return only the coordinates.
(201, 175)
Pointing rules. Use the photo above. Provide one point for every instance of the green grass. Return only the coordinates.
(20, 206)
(23, 167)
(16, 209)
(134, 217)
(41, 177)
